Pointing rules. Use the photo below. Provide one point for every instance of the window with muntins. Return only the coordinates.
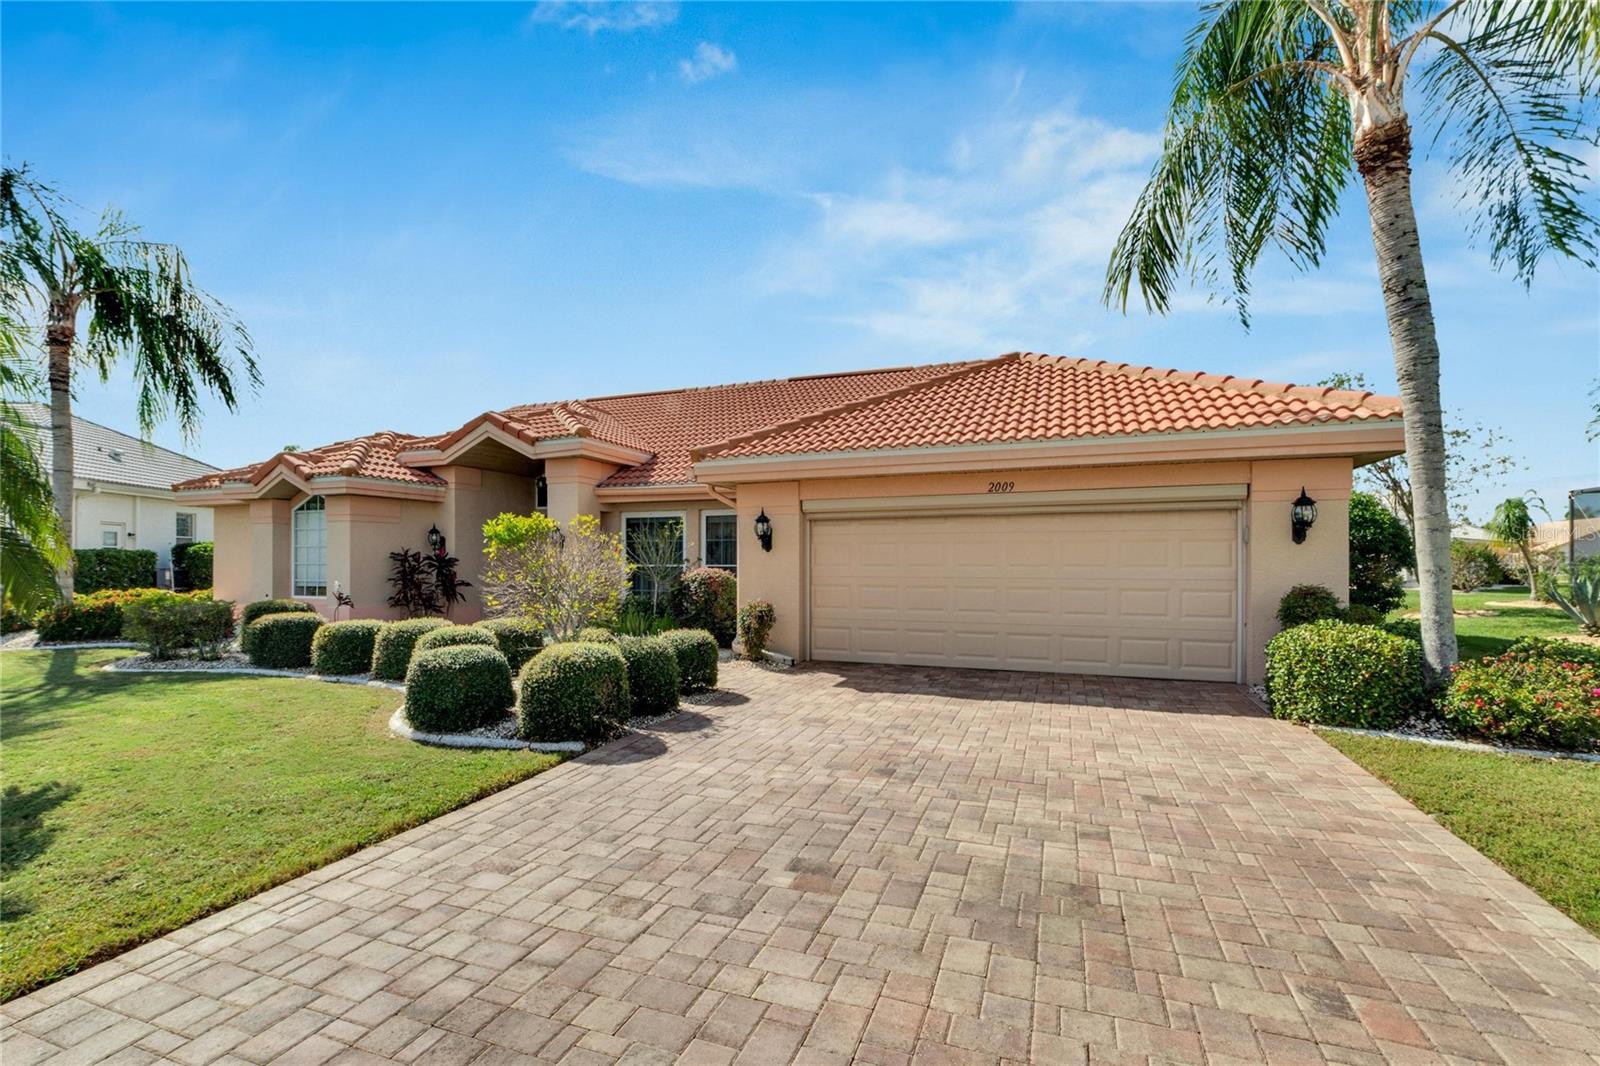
(185, 531)
(722, 541)
(309, 543)
(647, 539)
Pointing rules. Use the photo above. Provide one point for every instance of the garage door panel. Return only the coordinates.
(1144, 594)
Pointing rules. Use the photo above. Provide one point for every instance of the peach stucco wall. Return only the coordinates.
(233, 561)
(1272, 562)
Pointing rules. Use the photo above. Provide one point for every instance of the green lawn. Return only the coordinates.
(136, 803)
(1538, 818)
(1479, 637)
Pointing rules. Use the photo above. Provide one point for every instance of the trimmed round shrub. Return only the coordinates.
(345, 647)
(1362, 615)
(1527, 698)
(391, 652)
(573, 691)
(755, 626)
(262, 608)
(519, 639)
(1334, 673)
(163, 622)
(1308, 603)
(595, 635)
(706, 598)
(696, 651)
(652, 674)
(282, 641)
(453, 637)
(457, 688)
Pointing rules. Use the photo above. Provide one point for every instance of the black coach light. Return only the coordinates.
(435, 539)
(764, 530)
(1302, 514)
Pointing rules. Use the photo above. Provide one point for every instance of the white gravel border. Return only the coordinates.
(1463, 745)
(402, 728)
(19, 645)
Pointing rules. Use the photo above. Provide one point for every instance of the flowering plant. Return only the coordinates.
(1523, 698)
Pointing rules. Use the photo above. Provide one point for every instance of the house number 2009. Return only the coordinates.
(1002, 486)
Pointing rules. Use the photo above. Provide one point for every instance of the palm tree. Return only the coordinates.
(32, 549)
(1277, 101)
(1512, 527)
(140, 300)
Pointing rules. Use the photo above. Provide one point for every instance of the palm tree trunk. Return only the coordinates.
(60, 330)
(1383, 154)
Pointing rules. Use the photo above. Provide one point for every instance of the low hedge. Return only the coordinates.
(345, 647)
(573, 691)
(457, 688)
(1554, 648)
(163, 622)
(1527, 698)
(755, 626)
(1334, 673)
(99, 615)
(391, 651)
(652, 674)
(696, 650)
(1308, 603)
(519, 639)
(282, 641)
(98, 569)
(706, 597)
(454, 637)
(595, 635)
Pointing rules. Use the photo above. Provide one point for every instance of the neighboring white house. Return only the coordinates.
(122, 490)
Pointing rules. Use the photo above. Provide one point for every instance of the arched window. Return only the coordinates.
(309, 546)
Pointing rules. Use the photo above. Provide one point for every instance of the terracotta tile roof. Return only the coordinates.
(1023, 397)
(372, 456)
(671, 424)
(1016, 397)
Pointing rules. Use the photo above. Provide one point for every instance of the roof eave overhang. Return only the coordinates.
(1363, 441)
(546, 448)
(688, 490)
(244, 491)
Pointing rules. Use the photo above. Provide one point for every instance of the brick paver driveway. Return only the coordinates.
(882, 865)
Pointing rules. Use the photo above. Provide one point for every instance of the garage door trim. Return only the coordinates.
(1164, 498)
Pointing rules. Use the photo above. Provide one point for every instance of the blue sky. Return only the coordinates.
(426, 211)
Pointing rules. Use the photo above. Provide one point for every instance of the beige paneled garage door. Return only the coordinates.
(1134, 593)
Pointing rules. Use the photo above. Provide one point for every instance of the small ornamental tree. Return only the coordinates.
(1512, 527)
(561, 580)
(1380, 551)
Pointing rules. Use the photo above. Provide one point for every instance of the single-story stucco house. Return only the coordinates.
(1026, 512)
(122, 493)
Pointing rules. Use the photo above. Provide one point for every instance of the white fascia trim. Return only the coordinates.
(1132, 444)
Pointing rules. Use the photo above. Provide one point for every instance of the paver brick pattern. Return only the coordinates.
(880, 865)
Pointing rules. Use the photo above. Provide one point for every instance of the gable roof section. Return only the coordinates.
(100, 453)
(1030, 397)
(373, 456)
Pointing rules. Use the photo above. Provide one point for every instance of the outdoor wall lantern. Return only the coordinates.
(1302, 513)
(435, 539)
(764, 530)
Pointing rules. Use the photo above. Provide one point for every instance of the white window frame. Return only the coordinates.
(115, 533)
(294, 583)
(194, 520)
(683, 535)
(705, 539)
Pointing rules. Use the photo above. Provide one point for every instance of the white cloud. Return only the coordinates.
(592, 18)
(709, 61)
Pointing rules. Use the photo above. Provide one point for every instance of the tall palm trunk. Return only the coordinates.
(60, 330)
(1383, 154)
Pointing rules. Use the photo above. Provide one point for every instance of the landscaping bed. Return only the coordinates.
(136, 802)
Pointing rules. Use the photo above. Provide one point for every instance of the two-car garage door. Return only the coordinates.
(1132, 593)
